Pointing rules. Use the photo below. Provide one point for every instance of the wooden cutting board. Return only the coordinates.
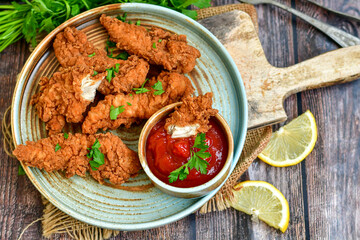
(268, 86)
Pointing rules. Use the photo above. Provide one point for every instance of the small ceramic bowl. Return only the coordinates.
(190, 192)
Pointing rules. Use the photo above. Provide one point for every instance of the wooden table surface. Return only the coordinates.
(323, 191)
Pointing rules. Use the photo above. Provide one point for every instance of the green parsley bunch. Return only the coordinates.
(26, 19)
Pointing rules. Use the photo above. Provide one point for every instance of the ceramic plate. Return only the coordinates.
(108, 207)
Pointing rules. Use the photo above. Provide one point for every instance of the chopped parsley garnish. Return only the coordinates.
(114, 112)
(21, 171)
(66, 135)
(128, 103)
(160, 40)
(122, 18)
(158, 87)
(109, 49)
(130, 22)
(95, 73)
(57, 147)
(142, 89)
(110, 74)
(110, 43)
(91, 55)
(154, 45)
(138, 22)
(196, 161)
(130, 95)
(117, 67)
(122, 55)
(96, 155)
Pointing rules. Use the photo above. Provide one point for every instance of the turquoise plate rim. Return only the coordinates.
(233, 70)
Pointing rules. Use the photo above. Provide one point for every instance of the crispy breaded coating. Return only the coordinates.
(121, 163)
(193, 110)
(72, 48)
(143, 105)
(132, 74)
(64, 96)
(156, 45)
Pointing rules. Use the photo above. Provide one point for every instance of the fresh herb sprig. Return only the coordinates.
(196, 161)
(27, 18)
(142, 89)
(115, 111)
(110, 47)
(111, 72)
(21, 171)
(96, 155)
(157, 86)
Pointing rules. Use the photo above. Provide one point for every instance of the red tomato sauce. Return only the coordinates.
(165, 154)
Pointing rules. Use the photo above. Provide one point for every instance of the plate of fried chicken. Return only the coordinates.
(87, 90)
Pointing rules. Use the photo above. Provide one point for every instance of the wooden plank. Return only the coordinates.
(20, 202)
(332, 169)
(277, 36)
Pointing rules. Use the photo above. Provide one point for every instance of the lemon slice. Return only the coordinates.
(263, 201)
(291, 143)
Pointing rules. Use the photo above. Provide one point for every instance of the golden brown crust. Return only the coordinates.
(72, 49)
(193, 110)
(172, 51)
(60, 97)
(132, 74)
(143, 105)
(121, 163)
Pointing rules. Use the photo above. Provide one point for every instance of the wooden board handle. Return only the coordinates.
(338, 66)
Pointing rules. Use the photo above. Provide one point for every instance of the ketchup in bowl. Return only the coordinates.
(165, 154)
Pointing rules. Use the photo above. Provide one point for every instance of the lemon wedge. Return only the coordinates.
(291, 143)
(263, 201)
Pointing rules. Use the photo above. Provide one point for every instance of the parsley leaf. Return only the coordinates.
(95, 73)
(57, 147)
(117, 67)
(128, 103)
(114, 112)
(142, 89)
(122, 56)
(21, 171)
(158, 87)
(196, 161)
(110, 47)
(138, 22)
(66, 135)
(96, 155)
(154, 45)
(122, 18)
(91, 55)
(31, 17)
(110, 74)
(160, 40)
(110, 43)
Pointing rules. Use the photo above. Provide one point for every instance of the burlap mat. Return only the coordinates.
(55, 221)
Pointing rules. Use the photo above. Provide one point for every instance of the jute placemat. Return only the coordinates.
(55, 221)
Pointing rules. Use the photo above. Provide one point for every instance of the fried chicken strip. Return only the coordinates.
(65, 96)
(191, 117)
(121, 163)
(72, 48)
(143, 105)
(131, 74)
(156, 45)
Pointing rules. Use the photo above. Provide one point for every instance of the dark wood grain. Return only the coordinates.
(332, 170)
(323, 191)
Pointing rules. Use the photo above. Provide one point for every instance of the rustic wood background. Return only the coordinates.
(323, 191)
